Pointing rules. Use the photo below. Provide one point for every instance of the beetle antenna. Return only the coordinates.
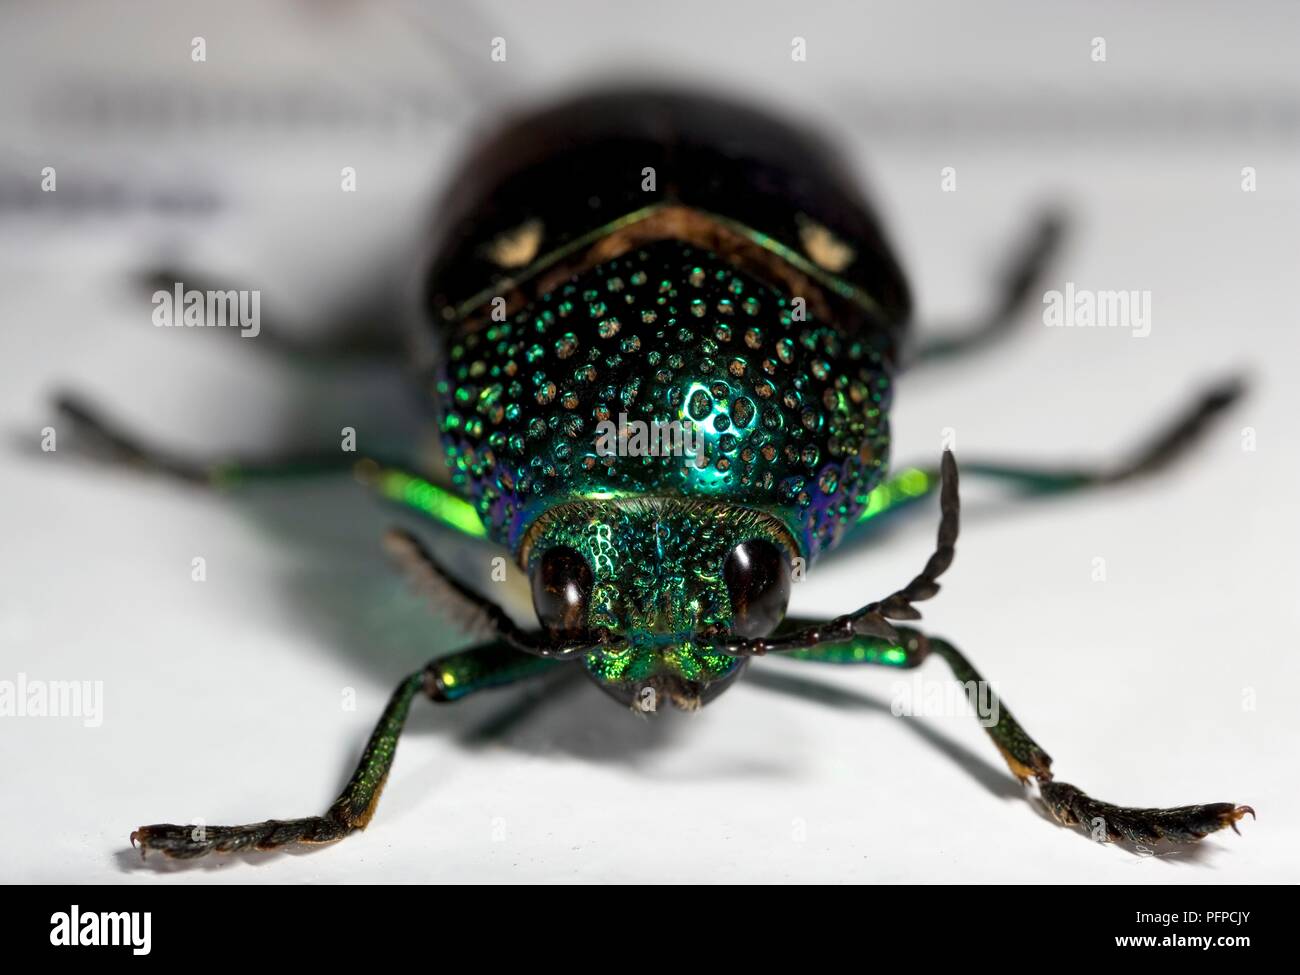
(475, 614)
(873, 618)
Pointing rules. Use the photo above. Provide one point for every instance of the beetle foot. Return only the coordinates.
(189, 842)
(1180, 824)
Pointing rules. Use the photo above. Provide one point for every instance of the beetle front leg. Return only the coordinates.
(444, 680)
(1026, 759)
(1069, 804)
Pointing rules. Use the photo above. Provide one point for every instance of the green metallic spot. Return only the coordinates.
(439, 503)
(859, 650)
(905, 486)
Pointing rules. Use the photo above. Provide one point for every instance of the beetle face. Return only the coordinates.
(656, 581)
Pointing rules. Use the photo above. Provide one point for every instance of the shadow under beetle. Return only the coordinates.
(657, 258)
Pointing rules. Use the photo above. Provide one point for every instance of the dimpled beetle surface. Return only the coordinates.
(661, 333)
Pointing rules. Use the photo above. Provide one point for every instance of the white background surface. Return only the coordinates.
(223, 700)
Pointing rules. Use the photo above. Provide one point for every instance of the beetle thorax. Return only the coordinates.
(665, 372)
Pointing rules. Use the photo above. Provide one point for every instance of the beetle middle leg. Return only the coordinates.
(395, 482)
(444, 680)
(103, 438)
(1026, 759)
(1168, 444)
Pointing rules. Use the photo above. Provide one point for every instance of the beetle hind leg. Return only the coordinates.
(1015, 288)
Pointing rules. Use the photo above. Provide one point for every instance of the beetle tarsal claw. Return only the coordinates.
(1234, 816)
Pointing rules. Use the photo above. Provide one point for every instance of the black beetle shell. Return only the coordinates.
(579, 165)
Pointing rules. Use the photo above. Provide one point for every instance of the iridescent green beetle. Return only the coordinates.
(661, 336)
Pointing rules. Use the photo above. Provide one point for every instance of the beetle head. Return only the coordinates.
(652, 583)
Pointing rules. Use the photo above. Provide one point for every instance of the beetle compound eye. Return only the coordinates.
(758, 579)
(562, 585)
